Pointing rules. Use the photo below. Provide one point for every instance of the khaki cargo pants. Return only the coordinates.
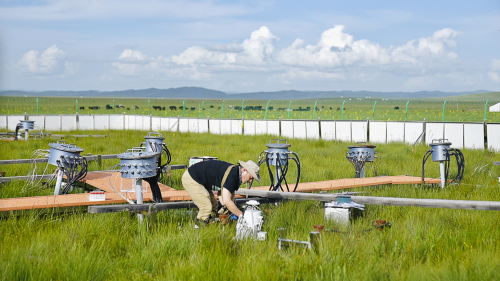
(202, 198)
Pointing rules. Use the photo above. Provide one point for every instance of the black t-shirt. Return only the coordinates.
(210, 173)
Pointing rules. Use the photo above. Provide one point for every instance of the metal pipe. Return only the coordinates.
(442, 171)
(138, 196)
(57, 189)
(289, 106)
(201, 115)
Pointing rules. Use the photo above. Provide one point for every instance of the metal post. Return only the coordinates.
(441, 170)
(114, 107)
(486, 108)
(139, 198)
(243, 109)
(201, 115)
(444, 104)
(314, 237)
(267, 106)
(183, 107)
(222, 110)
(406, 112)
(76, 106)
(373, 113)
(36, 106)
(282, 232)
(314, 110)
(57, 189)
(343, 110)
(149, 104)
(289, 106)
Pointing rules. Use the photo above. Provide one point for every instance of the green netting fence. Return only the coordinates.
(331, 109)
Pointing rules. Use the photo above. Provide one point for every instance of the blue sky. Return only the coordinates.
(244, 46)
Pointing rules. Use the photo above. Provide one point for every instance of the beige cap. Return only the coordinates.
(252, 168)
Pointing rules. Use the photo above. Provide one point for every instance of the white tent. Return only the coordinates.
(495, 108)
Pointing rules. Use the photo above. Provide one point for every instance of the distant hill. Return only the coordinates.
(494, 96)
(202, 93)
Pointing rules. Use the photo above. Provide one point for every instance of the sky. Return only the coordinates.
(248, 46)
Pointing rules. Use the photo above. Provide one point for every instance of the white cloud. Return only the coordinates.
(48, 62)
(337, 56)
(256, 50)
(495, 73)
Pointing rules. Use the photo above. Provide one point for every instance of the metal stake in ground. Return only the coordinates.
(278, 156)
(139, 164)
(441, 152)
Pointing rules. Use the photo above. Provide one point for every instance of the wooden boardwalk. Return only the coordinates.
(104, 180)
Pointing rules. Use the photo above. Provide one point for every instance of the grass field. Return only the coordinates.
(423, 243)
(330, 109)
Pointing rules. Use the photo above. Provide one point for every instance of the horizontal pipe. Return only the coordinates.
(159, 206)
(373, 200)
(46, 177)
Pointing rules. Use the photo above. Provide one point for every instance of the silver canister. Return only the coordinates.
(138, 163)
(440, 149)
(27, 124)
(364, 152)
(61, 150)
(278, 149)
(154, 142)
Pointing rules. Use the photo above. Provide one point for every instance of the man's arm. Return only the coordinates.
(226, 201)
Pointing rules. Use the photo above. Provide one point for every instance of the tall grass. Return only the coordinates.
(423, 243)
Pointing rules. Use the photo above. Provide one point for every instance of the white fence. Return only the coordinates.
(461, 135)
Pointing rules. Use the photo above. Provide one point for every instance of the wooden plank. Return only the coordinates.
(82, 199)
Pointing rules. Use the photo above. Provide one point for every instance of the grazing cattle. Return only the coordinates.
(94, 107)
(136, 107)
(181, 107)
(193, 108)
(173, 107)
(155, 107)
(396, 108)
(211, 106)
(271, 108)
(82, 107)
(119, 106)
(338, 108)
(108, 106)
(128, 108)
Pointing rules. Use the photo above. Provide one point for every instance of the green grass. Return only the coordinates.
(328, 109)
(423, 243)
